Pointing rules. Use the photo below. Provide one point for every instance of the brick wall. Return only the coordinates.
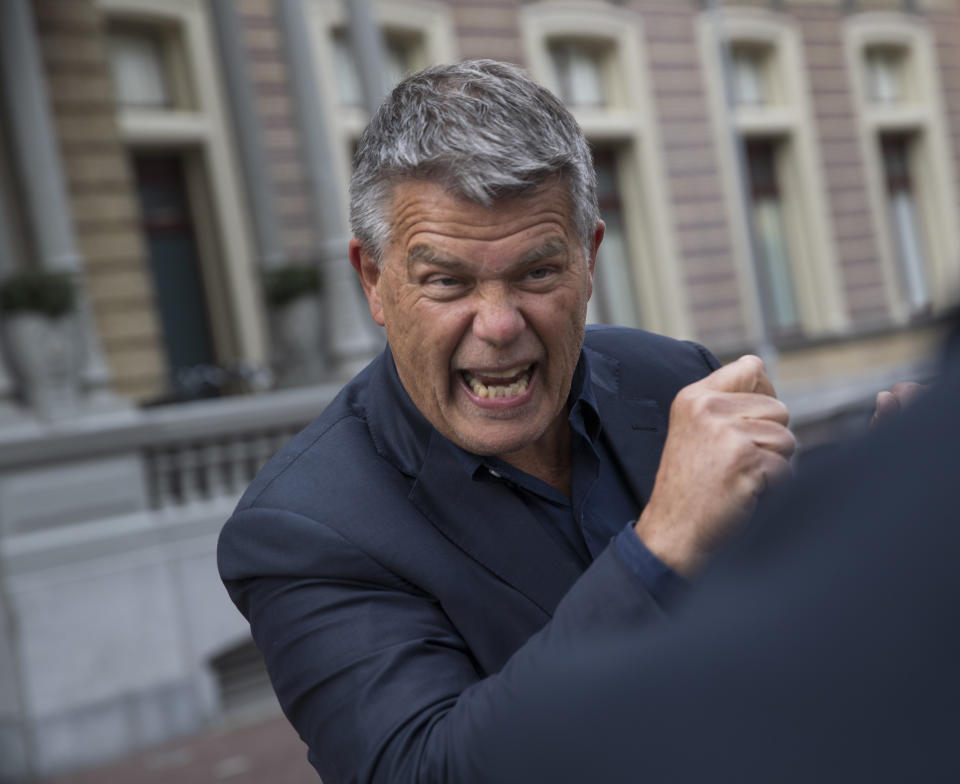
(701, 226)
(945, 24)
(834, 107)
(101, 192)
(488, 28)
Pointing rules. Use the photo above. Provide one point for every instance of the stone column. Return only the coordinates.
(7, 408)
(366, 41)
(353, 339)
(36, 152)
(297, 346)
(247, 128)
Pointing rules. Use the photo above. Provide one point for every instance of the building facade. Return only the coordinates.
(780, 177)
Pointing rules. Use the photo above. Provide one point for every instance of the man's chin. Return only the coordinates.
(491, 444)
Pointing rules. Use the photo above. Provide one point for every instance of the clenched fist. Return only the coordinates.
(727, 441)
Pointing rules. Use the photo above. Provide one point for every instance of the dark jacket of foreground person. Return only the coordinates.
(823, 647)
(394, 597)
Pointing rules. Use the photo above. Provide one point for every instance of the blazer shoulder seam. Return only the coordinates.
(253, 501)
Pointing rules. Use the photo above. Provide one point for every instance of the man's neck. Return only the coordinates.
(549, 459)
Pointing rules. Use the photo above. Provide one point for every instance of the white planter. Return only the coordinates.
(46, 358)
(298, 341)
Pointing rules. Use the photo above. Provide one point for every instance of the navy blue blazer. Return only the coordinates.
(396, 601)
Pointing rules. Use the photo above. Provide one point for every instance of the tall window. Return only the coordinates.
(904, 224)
(171, 117)
(174, 263)
(613, 300)
(138, 64)
(578, 68)
(908, 164)
(581, 76)
(750, 68)
(786, 211)
(770, 236)
(885, 69)
(594, 60)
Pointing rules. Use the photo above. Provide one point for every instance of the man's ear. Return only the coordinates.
(598, 232)
(369, 273)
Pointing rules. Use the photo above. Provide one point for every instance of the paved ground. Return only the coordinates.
(265, 752)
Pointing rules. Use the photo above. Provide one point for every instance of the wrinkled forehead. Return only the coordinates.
(504, 202)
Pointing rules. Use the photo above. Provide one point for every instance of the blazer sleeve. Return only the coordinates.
(369, 669)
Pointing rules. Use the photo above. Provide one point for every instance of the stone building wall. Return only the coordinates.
(701, 225)
(488, 29)
(102, 195)
(834, 106)
(945, 23)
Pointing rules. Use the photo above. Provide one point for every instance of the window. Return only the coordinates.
(595, 63)
(885, 72)
(173, 124)
(139, 72)
(791, 247)
(904, 225)
(749, 67)
(908, 167)
(148, 66)
(167, 224)
(578, 69)
(770, 236)
(612, 301)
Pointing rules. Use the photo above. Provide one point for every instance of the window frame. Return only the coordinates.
(788, 118)
(921, 114)
(627, 122)
(197, 127)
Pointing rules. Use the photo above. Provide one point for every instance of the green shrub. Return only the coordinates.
(285, 284)
(48, 293)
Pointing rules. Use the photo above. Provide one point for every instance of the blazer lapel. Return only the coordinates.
(634, 425)
(488, 522)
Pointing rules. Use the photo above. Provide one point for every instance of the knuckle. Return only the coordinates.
(687, 401)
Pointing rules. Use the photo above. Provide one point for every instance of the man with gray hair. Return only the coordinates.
(500, 481)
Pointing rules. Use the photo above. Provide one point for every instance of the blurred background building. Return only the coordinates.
(175, 298)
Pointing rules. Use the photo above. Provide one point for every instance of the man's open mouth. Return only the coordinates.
(511, 382)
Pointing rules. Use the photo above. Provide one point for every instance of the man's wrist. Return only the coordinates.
(657, 578)
(668, 544)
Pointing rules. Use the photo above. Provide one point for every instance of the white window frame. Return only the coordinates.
(428, 21)
(626, 121)
(921, 114)
(788, 118)
(197, 124)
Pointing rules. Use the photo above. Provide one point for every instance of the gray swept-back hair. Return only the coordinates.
(483, 130)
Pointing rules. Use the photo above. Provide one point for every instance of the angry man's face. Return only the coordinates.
(484, 310)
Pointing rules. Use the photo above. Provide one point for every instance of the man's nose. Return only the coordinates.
(497, 320)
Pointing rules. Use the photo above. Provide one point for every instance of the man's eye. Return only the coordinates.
(444, 286)
(540, 273)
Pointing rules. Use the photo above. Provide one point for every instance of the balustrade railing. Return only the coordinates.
(188, 453)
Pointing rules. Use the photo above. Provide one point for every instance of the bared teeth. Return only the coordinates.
(488, 390)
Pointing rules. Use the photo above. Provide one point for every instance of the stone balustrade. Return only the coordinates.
(112, 615)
